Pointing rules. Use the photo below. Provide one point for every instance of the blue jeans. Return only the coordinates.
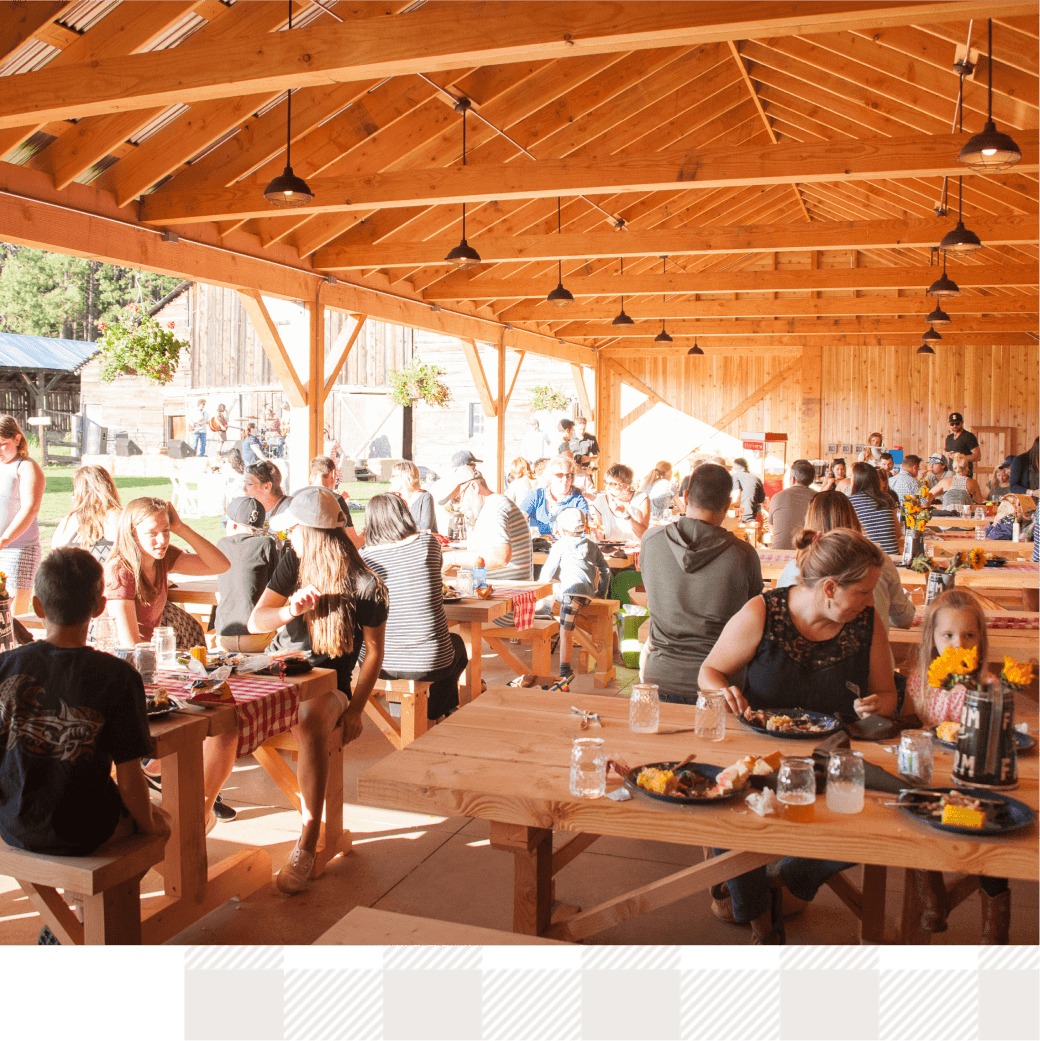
(199, 442)
(750, 892)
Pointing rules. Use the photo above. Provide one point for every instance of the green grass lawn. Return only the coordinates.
(57, 500)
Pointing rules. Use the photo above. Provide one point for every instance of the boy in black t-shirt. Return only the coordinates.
(254, 557)
(67, 713)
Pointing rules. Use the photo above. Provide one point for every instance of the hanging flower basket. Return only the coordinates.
(138, 345)
(418, 381)
(547, 399)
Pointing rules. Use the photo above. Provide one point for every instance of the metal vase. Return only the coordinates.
(938, 583)
(8, 642)
(985, 755)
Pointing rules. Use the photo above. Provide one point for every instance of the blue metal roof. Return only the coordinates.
(44, 352)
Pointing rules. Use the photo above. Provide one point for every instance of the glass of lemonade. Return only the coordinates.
(796, 789)
(845, 782)
(644, 708)
(710, 724)
(588, 768)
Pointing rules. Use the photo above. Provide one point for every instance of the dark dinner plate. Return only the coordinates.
(831, 725)
(454, 599)
(1023, 742)
(158, 713)
(704, 769)
(1010, 817)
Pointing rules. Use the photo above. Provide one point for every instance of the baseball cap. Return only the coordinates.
(461, 476)
(246, 510)
(571, 521)
(313, 507)
(956, 417)
(936, 457)
(464, 458)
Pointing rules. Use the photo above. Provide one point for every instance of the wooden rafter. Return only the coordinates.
(756, 396)
(281, 363)
(863, 160)
(488, 400)
(341, 349)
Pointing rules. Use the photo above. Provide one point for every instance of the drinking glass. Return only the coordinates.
(588, 768)
(796, 789)
(103, 634)
(644, 708)
(164, 640)
(846, 780)
(915, 756)
(710, 724)
(464, 581)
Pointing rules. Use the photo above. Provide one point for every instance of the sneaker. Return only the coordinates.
(223, 811)
(296, 871)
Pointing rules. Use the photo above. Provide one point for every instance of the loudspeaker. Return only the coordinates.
(177, 449)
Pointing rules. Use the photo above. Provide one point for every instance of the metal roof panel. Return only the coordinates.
(44, 352)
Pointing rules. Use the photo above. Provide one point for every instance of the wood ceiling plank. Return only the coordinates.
(1017, 48)
(750, 282)
(20, 21)
(586, 245)
(775, 164)
(92, 138)
(782, 344)
(430, 39)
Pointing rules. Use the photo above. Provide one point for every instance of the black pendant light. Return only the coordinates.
(925, 348)
(622, 318)
(991, 151)
(560, 297)
(288, 190)
(695, 350)
(662, 336)
(960, 241)
(944, 286)
(931, 336)
(463, 255)
(939, 317)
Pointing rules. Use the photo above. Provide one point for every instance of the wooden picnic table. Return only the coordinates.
(505, 759)
(1019, 643)
(622, 563)
(193, 888)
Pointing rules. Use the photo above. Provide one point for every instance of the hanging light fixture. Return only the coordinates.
(662, 336)
(925, 349)
(944, 286)
(622, 318)
(938, 317)
(288, 190)
(560, 297)
(463, 255)
(931, 336)
(991, 151)
(695, 350)
(960, 241)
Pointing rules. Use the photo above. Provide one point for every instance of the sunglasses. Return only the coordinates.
(568, 474)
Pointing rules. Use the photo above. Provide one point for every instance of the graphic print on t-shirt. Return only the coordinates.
(38, 730)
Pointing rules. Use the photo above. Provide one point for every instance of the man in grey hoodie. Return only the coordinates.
(697, 576)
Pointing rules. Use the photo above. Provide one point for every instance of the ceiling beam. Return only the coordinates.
(435, 37)
(631, 348)
(460, 288)
(680, 169)
(1007, 229)
(705, 309)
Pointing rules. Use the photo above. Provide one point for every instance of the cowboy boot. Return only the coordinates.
(930, 895)
(996, 917)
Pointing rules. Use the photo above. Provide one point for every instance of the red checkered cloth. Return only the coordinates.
(1004, 621)
(523, 605)
(266, 706)
(1020, 565)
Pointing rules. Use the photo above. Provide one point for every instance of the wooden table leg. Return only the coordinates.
(910, 930)
(872, 916)
(114, 916)
(603, 637)
(532, 874)
(185, 867)
(469, 687)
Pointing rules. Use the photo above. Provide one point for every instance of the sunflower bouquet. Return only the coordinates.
(955, 665)
(916, 513)
(974, 559)
(1016, 674)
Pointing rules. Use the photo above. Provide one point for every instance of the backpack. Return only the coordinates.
(760, 493)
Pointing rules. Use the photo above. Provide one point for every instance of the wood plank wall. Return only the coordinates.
(908, 397)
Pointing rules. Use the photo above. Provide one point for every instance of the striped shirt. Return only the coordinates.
(501, 521)
(416, 637)
(879, 522)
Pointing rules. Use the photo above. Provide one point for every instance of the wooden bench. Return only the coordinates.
(108, 882)
(594, 633)
(539, 637)
(333, 840)
(366, 925)
(412, 696)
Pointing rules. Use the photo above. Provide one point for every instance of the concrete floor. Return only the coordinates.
(444, 868)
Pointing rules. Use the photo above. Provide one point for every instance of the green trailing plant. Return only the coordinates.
(418, 381)
(137, 344)
(547, 399)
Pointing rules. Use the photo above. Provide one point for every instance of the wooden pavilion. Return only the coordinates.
(794, 164)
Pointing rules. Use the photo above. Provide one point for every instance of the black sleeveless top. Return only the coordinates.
(790, 671)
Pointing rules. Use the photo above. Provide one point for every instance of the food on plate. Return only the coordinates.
(778, 723)
(964, 816)
(199, 653)
(734, 776)
(484, 592)
(653, 780)
(948, 732)
(767, 764)
(767, 720)
(161, 698)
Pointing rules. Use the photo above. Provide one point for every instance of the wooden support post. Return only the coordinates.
(532, 874)
(608, 405)
(315, 383)
(583, 393)
(500, 420)
(809, 444)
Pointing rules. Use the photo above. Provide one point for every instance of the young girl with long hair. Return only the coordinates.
(328, 604)
(21, 495)
(954, 619)
(93, 521)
